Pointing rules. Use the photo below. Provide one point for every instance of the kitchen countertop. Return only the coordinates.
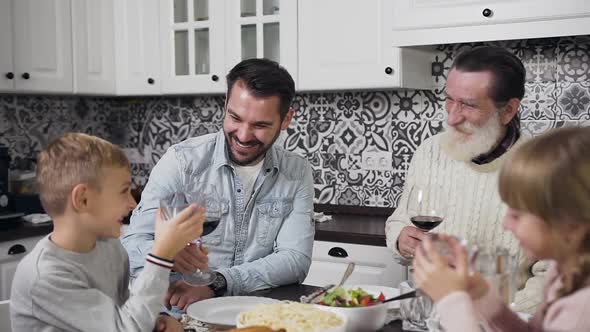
(25, 230)
(351, 228)
(357, 225)
(353, 224)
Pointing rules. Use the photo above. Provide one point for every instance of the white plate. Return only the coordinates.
(224, 310)
(389, 292)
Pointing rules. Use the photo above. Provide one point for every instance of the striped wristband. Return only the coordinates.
(160, 261)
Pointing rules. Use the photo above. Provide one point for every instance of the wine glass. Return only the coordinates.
(425, 207)
(426, 210)
(208, 199)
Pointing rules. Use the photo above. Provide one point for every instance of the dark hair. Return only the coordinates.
(508, 71)
(264, 78)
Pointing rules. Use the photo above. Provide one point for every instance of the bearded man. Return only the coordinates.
(265, 236)
(460, 166)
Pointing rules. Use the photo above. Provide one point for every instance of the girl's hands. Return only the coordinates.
(436, 277)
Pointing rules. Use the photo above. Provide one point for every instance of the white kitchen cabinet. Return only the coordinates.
(116, 47)
(10, 255)
(201, 40)
(6, 60)
(262, 29)
(192, 43)
(374, 265)
(420, 22)
(36, 39)
(346, 44)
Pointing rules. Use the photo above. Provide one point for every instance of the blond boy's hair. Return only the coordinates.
(72, 159)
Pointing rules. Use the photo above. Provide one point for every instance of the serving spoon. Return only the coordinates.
(309, 298)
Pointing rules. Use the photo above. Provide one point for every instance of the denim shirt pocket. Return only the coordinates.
(271, 216)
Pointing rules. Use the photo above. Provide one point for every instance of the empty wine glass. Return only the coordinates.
(425, 207)
(208, 199)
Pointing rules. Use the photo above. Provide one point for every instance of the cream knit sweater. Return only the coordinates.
(474, 210)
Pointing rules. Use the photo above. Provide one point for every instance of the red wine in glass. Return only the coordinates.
(426, 223)
(210, 225)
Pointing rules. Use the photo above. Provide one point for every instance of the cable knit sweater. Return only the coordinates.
(474, 210)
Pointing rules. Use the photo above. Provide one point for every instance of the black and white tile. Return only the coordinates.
(330, 129)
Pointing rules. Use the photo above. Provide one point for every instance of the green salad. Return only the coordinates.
(340, 297)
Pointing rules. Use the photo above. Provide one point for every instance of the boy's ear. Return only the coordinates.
(79, 197)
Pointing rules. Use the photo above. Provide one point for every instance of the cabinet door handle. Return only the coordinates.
(26, 76)
(487, 13)
(337, 252)
(17, 249)
(9, 75)
(214, 78)
(151, 80)
(388, 70)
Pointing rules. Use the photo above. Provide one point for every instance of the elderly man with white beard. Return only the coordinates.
(483, 92)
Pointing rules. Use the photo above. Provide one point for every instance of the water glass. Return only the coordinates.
(415, 311)
(499, 269)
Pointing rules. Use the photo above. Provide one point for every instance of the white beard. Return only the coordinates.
(481, 140)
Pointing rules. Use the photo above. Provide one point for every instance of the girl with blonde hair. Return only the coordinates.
(546, 185)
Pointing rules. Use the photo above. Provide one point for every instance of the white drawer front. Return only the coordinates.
(29, 243)
(374, 265)
(8, 263)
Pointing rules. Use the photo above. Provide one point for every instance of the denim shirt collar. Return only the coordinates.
(221, 157)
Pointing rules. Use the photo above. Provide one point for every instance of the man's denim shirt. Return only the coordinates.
(261, 243)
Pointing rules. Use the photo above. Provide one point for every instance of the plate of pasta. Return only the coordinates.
(292, 317)
(224, 310)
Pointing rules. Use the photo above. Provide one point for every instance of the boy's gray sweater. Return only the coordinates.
(59, 290)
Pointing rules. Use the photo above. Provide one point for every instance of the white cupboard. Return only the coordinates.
(347, 45)
(192, 46)
(420, 22)
(7, 77)
(374, 265)
(262, 29)
(36, 53)
(202, 40)
(116, 47)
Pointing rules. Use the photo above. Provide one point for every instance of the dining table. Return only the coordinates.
(294, 292)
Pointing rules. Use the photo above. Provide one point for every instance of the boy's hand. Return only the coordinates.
(182, 295)
(191, 258)
(173, 235)
(166, 323)
(434, 275)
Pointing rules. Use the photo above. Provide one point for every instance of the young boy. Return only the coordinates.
(76, 278)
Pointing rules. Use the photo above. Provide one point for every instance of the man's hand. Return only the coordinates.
(181, 295)
(409, 239)
(191, 258)
(166, 323)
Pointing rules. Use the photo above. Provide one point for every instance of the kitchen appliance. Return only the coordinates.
(4, 170)
(9, 217)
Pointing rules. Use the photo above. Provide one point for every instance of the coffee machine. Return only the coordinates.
(4, 170)
(8, 215)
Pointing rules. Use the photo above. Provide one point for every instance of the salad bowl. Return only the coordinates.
(363, 313)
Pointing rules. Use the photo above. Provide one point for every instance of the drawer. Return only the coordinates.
(375, 265)
(28, 244)
(9, 262)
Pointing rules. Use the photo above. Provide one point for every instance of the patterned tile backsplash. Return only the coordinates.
(331, 129)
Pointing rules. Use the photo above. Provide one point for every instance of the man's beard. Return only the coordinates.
(245, 162)
(480, 141)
